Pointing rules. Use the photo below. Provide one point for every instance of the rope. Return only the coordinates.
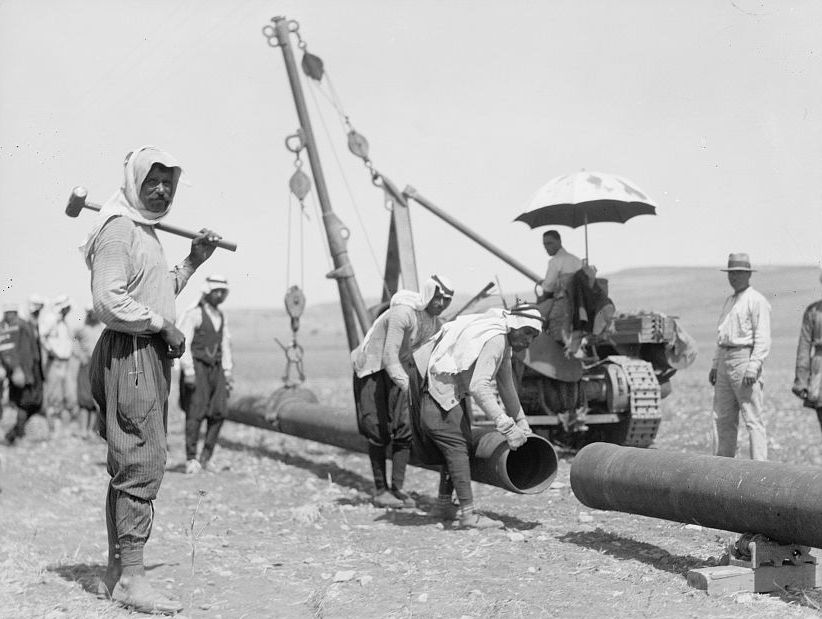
(350, 193)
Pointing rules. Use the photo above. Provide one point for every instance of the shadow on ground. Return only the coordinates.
(629, 549)
(323, 470)
(87, 575)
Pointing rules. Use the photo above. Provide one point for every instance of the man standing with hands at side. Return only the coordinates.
(205, 371)
(743, 342)
(134, 292)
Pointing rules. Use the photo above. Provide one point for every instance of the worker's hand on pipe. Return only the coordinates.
(513, 435)
(522, 422)
(203, 246)
(174, 338)
(712, 376)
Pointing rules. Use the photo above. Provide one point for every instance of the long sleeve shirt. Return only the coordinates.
(392, 338)
(745, 321)
(561, 264)
(131, 285)
(492, 365)
(189, 322)
(809, 345)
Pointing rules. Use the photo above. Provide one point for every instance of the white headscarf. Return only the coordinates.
(126, 201)
(463, 339)
(215, 282)
(430, 287)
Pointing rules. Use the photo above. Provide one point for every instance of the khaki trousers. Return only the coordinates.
(732, 398)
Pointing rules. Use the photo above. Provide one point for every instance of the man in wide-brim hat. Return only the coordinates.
(743, 340)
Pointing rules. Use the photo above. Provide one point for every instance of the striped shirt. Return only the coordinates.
(131, 285)
(745, 322)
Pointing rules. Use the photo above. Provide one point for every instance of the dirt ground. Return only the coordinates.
(284, 528)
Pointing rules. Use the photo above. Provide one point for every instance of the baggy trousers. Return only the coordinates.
(383, 417)
(130, 381)
(449, 432)
(732, 398)
(207, 400)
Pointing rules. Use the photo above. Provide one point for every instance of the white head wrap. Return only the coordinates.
(463, 339)
(61, 302)
(523, 316)
(215, 282)
(36, 302)
(430, 287)
(126, 201)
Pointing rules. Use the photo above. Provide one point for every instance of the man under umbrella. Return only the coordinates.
(556, 307)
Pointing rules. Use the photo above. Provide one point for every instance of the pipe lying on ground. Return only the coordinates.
(781, 501)
(295, 411)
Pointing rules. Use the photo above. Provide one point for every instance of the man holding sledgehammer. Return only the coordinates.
(134, 292)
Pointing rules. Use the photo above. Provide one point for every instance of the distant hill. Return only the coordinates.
(694, 294)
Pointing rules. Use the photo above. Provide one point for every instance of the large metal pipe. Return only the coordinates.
(781, 501)
(528, 470)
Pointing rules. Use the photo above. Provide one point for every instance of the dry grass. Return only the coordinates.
(285, 516)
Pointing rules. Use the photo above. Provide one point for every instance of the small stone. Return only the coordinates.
(365, 579)
(693, 527)
(532, 570)
(585, 517)
(343, 576)
(557, 485)
(516, 537)
(423, 598)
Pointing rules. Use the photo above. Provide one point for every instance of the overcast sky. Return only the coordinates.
(713, 108)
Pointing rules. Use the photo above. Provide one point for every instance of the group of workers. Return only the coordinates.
(416, 377)
(45, 363)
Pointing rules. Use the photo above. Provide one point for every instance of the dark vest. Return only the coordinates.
(207, 344)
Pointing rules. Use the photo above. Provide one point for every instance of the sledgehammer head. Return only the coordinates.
(76, 201)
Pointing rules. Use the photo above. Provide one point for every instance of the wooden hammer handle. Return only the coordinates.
(78, 198)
